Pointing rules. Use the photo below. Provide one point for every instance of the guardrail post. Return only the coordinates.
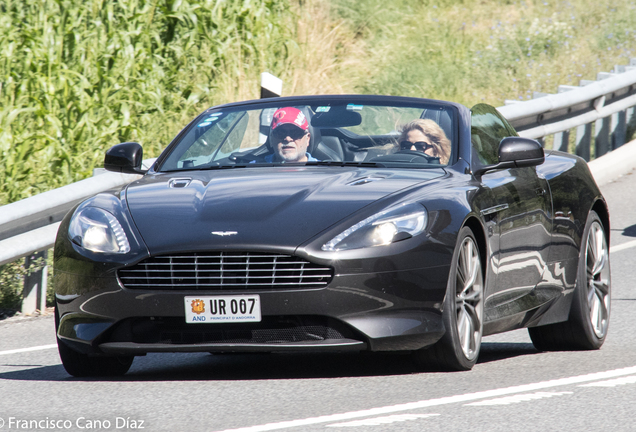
(630, 123)
(34, 291)
(561, 141)
(583, 140)
(601, 138)
(536, 95)
(271, 86)
(619, 129)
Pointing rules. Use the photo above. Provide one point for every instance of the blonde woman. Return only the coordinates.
(426, 136)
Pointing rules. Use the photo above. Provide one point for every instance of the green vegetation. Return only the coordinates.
(473, 52)
(11, 284)
(79, 76)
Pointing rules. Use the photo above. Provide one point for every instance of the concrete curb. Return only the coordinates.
(615, 164)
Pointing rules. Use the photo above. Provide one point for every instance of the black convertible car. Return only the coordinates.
(338, 223)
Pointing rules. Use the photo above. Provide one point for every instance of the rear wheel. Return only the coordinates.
(586, 327)
(463, 311)
(83, 365)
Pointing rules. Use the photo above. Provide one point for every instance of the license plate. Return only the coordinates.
(223, 309)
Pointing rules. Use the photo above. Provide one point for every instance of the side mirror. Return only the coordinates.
(516, 152)
(124, 158)
(522, 151)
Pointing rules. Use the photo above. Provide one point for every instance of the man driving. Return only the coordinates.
(289, 136)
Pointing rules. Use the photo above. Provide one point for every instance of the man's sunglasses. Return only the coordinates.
(281, 132)
(419, 146)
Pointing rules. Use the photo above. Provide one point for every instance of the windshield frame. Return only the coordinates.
(313, 101)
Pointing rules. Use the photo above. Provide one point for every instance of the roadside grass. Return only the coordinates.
(472, 52)
(11, 285)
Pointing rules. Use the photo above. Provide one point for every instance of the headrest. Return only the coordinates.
(443, 118)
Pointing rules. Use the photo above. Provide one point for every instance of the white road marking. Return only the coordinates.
(612, 383)
(620, 247)
(441, 401)
(35, 348)
(382, 420)
(518, 398)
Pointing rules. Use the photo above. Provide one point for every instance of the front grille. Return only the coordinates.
(225, 270)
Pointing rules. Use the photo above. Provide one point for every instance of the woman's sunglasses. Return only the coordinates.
(419, 146)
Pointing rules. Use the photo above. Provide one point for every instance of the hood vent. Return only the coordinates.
(364, 180)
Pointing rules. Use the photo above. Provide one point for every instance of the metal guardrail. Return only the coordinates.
(28, 228)
(30, 225)
(607, 104)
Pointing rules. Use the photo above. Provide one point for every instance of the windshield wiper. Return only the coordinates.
(346, 164)
(216, 166)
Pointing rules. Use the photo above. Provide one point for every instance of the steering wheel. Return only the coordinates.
(429, 159)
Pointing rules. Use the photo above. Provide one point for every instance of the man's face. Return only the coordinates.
(290, 143)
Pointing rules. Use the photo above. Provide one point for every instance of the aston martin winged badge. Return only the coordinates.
(224, 233)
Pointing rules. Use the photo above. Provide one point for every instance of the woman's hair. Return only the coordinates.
(441, 144)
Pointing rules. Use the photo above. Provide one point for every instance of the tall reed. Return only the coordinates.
(79, 76)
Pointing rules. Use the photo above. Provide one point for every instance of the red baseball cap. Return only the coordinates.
(290, 115)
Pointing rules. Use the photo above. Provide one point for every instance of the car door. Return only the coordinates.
(520, 215)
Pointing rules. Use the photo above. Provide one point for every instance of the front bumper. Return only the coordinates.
(384, 311)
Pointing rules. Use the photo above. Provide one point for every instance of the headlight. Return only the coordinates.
(397, 223)
(97, 230)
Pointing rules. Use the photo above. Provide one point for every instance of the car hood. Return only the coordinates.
(255, 207)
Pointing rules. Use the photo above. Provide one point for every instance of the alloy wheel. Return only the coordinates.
(469, 298)
(598, 277)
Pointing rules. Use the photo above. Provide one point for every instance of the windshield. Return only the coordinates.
(327, 133)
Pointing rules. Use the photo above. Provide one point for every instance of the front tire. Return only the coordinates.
(83, 365)
(587, 325)
(458, 349)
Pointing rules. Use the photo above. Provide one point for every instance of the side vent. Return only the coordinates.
(179, 182)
